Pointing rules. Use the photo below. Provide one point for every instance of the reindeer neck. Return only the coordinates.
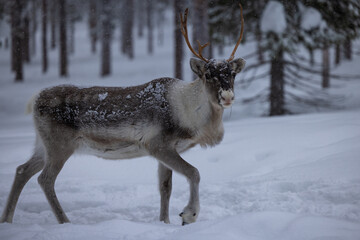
(193, 106)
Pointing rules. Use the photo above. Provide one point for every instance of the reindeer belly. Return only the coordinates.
(111, 149)
(123, 142)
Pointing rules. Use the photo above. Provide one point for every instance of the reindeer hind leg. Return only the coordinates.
(23, 173)
(55, 160)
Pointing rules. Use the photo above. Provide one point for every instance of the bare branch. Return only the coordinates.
(300, 77)
(255, 65)
(254, 78)
(261, 96)
(335, 76)
(250, 55)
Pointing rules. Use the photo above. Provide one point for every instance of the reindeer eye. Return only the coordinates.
(194, 214)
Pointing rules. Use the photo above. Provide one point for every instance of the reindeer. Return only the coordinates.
(162, 118)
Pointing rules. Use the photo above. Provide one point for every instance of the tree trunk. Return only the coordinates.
(33, 26)
(258, 36)
(63, 39)
(160, 22)
(26, 39)
(200, 25)
(221, 49)
(53, 18)
(93, 25)
(149, 15)
(6, 44)
(44, 37)
(257, 5)
(127, 23)
(140, 17)
(72, 37)
(106, 39)
(18, 39)
(348, 49)
(311, 55)
(13, 29)
(337, 54)
(277, 101)
(179, 46)
(325, 67)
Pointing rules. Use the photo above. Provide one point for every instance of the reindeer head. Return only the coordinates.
(218, 75)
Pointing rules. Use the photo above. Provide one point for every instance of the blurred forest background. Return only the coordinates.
(284, 37)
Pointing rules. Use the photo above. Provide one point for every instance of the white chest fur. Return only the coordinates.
(194, 110)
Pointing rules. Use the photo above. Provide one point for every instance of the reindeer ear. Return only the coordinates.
(197, 66)
(238, 64)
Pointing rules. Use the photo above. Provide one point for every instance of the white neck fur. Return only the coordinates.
(190, 104)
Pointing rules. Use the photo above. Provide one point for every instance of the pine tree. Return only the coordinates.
(44, 36)
(74, 15)
(340, 23)
(150, 27)
(127, 22)
(93, 26)
(17, 8)
(277, 91)
(26, 39)
(140, 16)
(200, 20)
(224, 21)
(337, 54)
(53, 20)
(161, 6)
(337, 21)
(326, 67)
(34, 24)
(63, 39)
(106, 38)
(13, 30)
(179, 42)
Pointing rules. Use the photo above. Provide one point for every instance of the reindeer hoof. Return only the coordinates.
(188, 217)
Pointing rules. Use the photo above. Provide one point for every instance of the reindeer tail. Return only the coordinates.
(30, 104)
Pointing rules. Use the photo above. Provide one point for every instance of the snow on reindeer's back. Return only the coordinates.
(85, 107)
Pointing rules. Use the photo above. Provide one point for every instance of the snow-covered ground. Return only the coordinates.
(293, 177)
(280, 178)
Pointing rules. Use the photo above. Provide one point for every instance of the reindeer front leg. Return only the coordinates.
(171, 159)
(165, 185)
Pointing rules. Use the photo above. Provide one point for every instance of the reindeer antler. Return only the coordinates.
(184, 32)
(241, 35)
